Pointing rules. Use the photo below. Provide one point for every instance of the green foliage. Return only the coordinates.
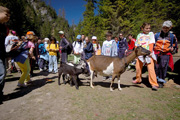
(36, 16)
(127, 16)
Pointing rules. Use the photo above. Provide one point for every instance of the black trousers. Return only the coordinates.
(162, 65)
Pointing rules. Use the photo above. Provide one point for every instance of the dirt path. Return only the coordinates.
(47, 101)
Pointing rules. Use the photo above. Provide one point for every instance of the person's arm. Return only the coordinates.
(66, 44)
(57, 48)
(102, 50)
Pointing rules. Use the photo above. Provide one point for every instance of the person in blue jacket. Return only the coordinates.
(88, 49)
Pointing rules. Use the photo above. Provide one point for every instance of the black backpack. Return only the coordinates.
(69, 48)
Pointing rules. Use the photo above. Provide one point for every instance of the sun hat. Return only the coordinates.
(94, 37)
(61, 32)
(46, 39)
(78, 37)
(167, 23)
(30, 33)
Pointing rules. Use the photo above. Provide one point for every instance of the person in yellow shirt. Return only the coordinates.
(53, 48)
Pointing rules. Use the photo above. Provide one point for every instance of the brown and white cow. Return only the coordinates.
(107, 66)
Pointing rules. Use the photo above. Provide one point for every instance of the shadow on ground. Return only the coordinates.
(20, 92)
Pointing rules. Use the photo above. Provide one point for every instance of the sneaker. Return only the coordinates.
(22, 85)
(110, 77)
(104, 78)
(135, 82)
(54, 72)
(28, 82)
(155, 88)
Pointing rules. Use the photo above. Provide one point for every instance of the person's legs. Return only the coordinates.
(25, 68)
(152, 75)
(55, 64)
(64, 57)
(2, 78)
(139, 66)
(164, 65)
(41, 63)
(50, 63)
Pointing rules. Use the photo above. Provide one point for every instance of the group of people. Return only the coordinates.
(46, 52)
(161, 45)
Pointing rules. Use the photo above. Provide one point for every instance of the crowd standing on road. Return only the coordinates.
(30, 51)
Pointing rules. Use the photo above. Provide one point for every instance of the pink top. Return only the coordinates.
(30, 44)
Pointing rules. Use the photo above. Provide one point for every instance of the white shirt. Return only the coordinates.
(77, 47)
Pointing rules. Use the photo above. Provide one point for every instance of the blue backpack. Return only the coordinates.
(42, 49)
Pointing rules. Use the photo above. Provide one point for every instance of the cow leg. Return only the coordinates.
(119, 87)
(112, 81)
(64, 77)
(59, 77)
(75, 82)
(92, 76)
(71, 79)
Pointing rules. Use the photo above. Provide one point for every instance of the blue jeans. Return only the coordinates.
(2, 78)
(53, 63)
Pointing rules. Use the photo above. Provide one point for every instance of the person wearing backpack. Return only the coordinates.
(78, 49)
(43, 56)
(64, 45)
(163, 49)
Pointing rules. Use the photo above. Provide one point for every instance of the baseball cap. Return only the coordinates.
(78, 37)
(167, 23)
(30, 33)
(61, 32)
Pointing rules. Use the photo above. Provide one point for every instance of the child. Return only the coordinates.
(4, 17)
(146, 40)
(96, 46)
(109, 48)
(78, 49)
(31, 38)
(53, 47)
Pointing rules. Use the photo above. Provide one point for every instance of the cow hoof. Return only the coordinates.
(111, 90)
(92, 87)
(119, 89)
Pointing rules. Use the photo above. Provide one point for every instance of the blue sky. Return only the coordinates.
(73, 9)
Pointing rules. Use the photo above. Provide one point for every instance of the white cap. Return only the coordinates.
(167, 23)
(61, 32)
(94, 37)
(46, 39)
